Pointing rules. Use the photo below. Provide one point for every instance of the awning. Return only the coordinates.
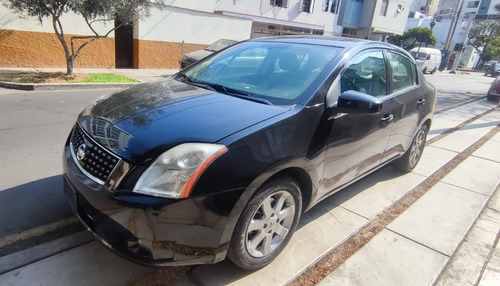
(272, 21)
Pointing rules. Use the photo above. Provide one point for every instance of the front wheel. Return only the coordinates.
(434, 70)
(410, 159)
(266, 224)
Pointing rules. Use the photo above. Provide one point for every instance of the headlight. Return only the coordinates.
(174, 173)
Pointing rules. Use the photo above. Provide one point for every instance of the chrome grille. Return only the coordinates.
(95, 161)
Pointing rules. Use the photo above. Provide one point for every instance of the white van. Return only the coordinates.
(428, 59)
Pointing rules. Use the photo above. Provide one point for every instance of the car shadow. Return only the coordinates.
(33, 204)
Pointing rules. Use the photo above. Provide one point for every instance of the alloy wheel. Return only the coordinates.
(270, 224)
(417, 147)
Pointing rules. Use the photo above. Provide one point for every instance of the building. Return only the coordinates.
(285, 17)
(154, 42)
(374, 20)
(158, 41)
(487, 10)
(428, 7)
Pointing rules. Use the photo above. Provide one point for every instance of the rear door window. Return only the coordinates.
(402, 72)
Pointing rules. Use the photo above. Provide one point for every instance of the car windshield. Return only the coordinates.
(275, 72)
(219, 45)
(418, 55)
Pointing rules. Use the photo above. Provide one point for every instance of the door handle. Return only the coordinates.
(386, 119)
(420, 102)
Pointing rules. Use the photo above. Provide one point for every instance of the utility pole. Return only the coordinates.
(451, 31)
(462, 43)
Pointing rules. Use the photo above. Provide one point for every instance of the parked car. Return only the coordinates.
(190, 58)
(428, 59)
(222, 158)
(494, 91)
(492, 69)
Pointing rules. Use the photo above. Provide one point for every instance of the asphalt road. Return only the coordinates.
(35, 124)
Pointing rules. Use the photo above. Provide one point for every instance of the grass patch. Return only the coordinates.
(105, 77)
(59, 77)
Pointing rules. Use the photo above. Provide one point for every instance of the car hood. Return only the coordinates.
(140, 123)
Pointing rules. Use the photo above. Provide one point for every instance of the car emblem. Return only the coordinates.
(81, 152)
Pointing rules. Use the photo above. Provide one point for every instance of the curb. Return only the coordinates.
(55, 86)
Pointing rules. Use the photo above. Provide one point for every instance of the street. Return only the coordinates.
(33, 128)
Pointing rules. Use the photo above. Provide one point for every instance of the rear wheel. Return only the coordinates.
(266, 224)
(434, 70)
(424, 70)
(410, 159)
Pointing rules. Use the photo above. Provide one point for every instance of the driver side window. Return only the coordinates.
(367, 74)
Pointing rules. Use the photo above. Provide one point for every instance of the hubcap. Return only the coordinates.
(270, 224)
(417, 148)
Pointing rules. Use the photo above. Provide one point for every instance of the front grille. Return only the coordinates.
(94, 160)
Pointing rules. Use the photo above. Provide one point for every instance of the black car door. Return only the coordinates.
(356, 142)
(407, 101)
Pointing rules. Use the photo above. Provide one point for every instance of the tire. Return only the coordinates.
(266, 224)
(411, 157)
(434, 70)
(424, 71)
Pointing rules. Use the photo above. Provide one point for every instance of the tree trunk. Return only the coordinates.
(69, 66)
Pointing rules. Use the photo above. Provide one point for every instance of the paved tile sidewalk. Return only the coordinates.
(416, 246)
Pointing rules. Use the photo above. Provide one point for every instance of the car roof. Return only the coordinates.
(342, 42)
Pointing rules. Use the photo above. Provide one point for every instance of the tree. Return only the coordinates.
(121, 12)
(410, 38)
(484, 37)
(422, 35)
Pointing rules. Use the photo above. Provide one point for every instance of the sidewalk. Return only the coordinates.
(449, 236)
(142, 75)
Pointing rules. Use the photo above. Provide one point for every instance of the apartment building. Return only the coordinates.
(285, 17)
(374, 20)
(181, 26)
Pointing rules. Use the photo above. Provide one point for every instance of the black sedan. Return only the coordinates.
(222, 158)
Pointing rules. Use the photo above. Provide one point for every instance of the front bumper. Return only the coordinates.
(150, 230)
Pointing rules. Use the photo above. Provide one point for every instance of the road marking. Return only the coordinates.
(6, 240)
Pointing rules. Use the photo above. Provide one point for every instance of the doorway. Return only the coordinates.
(124, 46)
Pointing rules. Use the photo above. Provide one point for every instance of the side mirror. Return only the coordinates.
(357, 102)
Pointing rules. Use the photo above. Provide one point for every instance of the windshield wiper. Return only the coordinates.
(191, 81)
(224, 89)
(242, 94)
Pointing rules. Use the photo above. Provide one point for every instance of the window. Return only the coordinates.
(280, 3)
(473, 4)
(365, 74)
(306, 6)
(402, 74)
(330, 6)
(384, 7)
